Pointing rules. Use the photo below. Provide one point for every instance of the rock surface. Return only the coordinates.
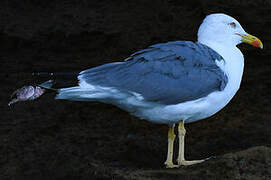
(238, 165)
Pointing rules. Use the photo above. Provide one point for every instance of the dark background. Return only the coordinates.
(49, 139)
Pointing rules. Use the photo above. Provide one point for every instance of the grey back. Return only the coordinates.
(167, 73)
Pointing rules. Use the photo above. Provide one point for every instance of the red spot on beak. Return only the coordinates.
(256, 43)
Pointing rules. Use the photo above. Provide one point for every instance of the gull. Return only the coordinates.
(172, 83)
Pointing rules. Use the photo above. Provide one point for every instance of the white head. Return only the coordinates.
(221, 28)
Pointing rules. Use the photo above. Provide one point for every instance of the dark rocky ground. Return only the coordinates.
(49, 139)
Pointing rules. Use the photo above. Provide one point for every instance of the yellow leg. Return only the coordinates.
(181, 160)
(171, 138)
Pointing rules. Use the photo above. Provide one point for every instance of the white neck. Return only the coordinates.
(234, 64)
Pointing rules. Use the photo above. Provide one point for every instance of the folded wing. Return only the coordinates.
(167, 73)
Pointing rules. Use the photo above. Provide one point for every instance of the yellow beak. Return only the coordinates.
(252, 40)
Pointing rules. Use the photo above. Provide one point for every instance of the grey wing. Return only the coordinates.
(168, 73)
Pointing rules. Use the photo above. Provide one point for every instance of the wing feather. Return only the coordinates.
(167, 73)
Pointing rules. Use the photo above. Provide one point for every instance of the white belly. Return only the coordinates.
(189, 111)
